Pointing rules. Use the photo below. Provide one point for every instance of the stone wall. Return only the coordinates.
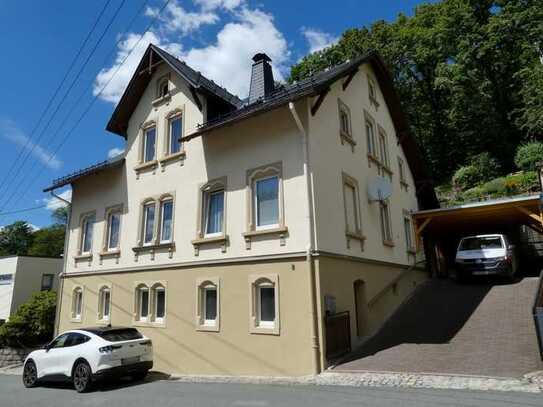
(13, 356)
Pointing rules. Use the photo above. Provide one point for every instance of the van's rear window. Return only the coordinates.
(119, 335)
(481, 243)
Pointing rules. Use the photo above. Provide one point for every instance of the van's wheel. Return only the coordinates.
(30, 374)
(139, 376)
(82, 377)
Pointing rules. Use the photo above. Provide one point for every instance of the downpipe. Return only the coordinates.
(312, 241)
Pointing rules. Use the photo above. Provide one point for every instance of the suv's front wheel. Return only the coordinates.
(30, 374)
(82, 377)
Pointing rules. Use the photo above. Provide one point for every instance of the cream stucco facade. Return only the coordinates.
(308, 257)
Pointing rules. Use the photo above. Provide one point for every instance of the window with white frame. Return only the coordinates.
(265, 304)
(148, 231)
(166, 220)
(175, 132)
(408, 230)
(142, 303)
(77, 303)
(214, 212)
(383, 148)
(159, 303)
(386, 229)
(47, 282)
(104, 304)
(149, 144)
(163, 88)
(87, 228)
(113, 229)
(370, 137)
(401, 171)
(266, 202)
(350, 196)
(344, 119)
(208, 304)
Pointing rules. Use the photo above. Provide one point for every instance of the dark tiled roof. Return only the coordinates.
(93, 169)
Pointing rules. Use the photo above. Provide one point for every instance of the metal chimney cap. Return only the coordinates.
(261, 57)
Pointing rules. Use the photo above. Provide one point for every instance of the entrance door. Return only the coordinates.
(361, 308)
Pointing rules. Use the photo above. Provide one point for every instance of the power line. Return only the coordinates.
(85, 112)
(42, 133)
(55, 93)
(23, 210)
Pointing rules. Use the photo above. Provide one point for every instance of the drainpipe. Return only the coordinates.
(312, 239)
(64, 262)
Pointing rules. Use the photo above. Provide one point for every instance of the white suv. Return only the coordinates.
(86, 355)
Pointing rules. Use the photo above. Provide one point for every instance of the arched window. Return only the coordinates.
(104, 304)
(265, 304)
(142, 303)
(166, 219)
(87, 228)
(77, 303)
(265, 198)
(163, 87)
(159, 303)
(208, 311)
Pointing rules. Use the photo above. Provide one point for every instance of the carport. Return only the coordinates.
(441, 229)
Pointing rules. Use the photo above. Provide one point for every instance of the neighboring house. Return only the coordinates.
(22, 276)
(228, 231)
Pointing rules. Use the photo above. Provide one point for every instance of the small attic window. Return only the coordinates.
(163, 88)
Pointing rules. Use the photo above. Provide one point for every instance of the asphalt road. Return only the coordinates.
(170, 393)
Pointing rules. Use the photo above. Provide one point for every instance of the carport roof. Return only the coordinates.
(485, 215)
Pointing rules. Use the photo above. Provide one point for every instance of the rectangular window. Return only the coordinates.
(149, 144)
(408, 232)
(47, 282)
(370, 138)
(385, 222)
(77, 303)
(214, 213)
(383, 148)
(143, 301)
(351, 208)
(266, 301)
(167, 219)
(105, 303)
(160, 303)
(401, 171)
(371, 90)
(267, 203)
(210, 305)
(114, 225)
(86, 239)
(176, 124)
(148, 223)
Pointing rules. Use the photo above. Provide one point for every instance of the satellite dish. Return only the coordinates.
(379, 189)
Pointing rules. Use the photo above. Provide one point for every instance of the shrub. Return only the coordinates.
(528, 155)
(33, 323)
(473, 194)
(512, 186)
(495, 187)
(528, 181)
(465, 177)
(481, 168)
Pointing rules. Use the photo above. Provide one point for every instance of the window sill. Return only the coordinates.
(355, 236)
(207, 328)
(404, 184)
(347, 138)
(163, 99)
(388, 243)
(172, 157)
(374, 159)
(150, 247)
(374, 102)
(110, 253)
(81, 257)
(76, 320)
(256, 330)
(222, 240)
(387, 170)
(146, 165)
(281, 233)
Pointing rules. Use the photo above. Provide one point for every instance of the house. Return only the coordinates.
(22, 276)
(234, 233)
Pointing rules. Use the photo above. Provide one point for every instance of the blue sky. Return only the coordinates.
(39, 40)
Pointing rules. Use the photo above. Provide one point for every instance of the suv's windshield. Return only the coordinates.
(481, 243)
(119, 335)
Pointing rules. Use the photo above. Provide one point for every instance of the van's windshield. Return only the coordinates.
(481, 243)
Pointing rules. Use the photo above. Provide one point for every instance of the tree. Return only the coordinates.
(16, 239)
(468, 73)
(60, 215)
(48, 242)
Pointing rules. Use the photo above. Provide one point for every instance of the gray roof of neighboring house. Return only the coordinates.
(93, 169)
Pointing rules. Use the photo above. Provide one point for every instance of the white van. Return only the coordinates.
(486, 255)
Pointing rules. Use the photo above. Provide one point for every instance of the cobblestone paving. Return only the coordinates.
(483, 328)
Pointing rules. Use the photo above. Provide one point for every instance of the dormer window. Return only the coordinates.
(163, 88)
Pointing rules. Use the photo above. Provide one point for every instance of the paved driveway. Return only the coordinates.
(170, 394)
(483, 328)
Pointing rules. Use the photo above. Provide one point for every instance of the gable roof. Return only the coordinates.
(154, 56)
(319, 83)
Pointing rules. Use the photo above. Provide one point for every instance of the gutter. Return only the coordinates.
(312, 240)
(64, 263)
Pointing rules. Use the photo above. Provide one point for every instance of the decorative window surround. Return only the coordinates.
(409, 235)
(108, 252)
(202, 284)
(345, 135)
(168, 156)
(204, 191)
(142, 304)
(144, 166)
(384, 161)
(101, 317)
(356, 234)
(386, 225)
(162, 96)
(151, 288)
(76, 312)
(280, 230)
(371, 144)
(255, 325)
(401, 170)
(82, 256)
(372, 93)
(156, 320)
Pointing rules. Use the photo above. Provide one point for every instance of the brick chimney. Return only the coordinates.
(262, 83)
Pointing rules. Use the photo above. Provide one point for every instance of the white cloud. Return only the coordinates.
(53, 203)
(317, 39)
(228, 60)
(114, 152)
(175, 19)
(215, 4)
(10, 131)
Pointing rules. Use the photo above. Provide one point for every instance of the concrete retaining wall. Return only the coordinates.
(13, 356)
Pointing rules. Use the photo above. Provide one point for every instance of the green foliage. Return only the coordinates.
(467, 72)
(528, 155)
(496, 187)
(465, 177)
(48, 242)
(33, 323)
(16, 239)
(60, 215)
(481, 168)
